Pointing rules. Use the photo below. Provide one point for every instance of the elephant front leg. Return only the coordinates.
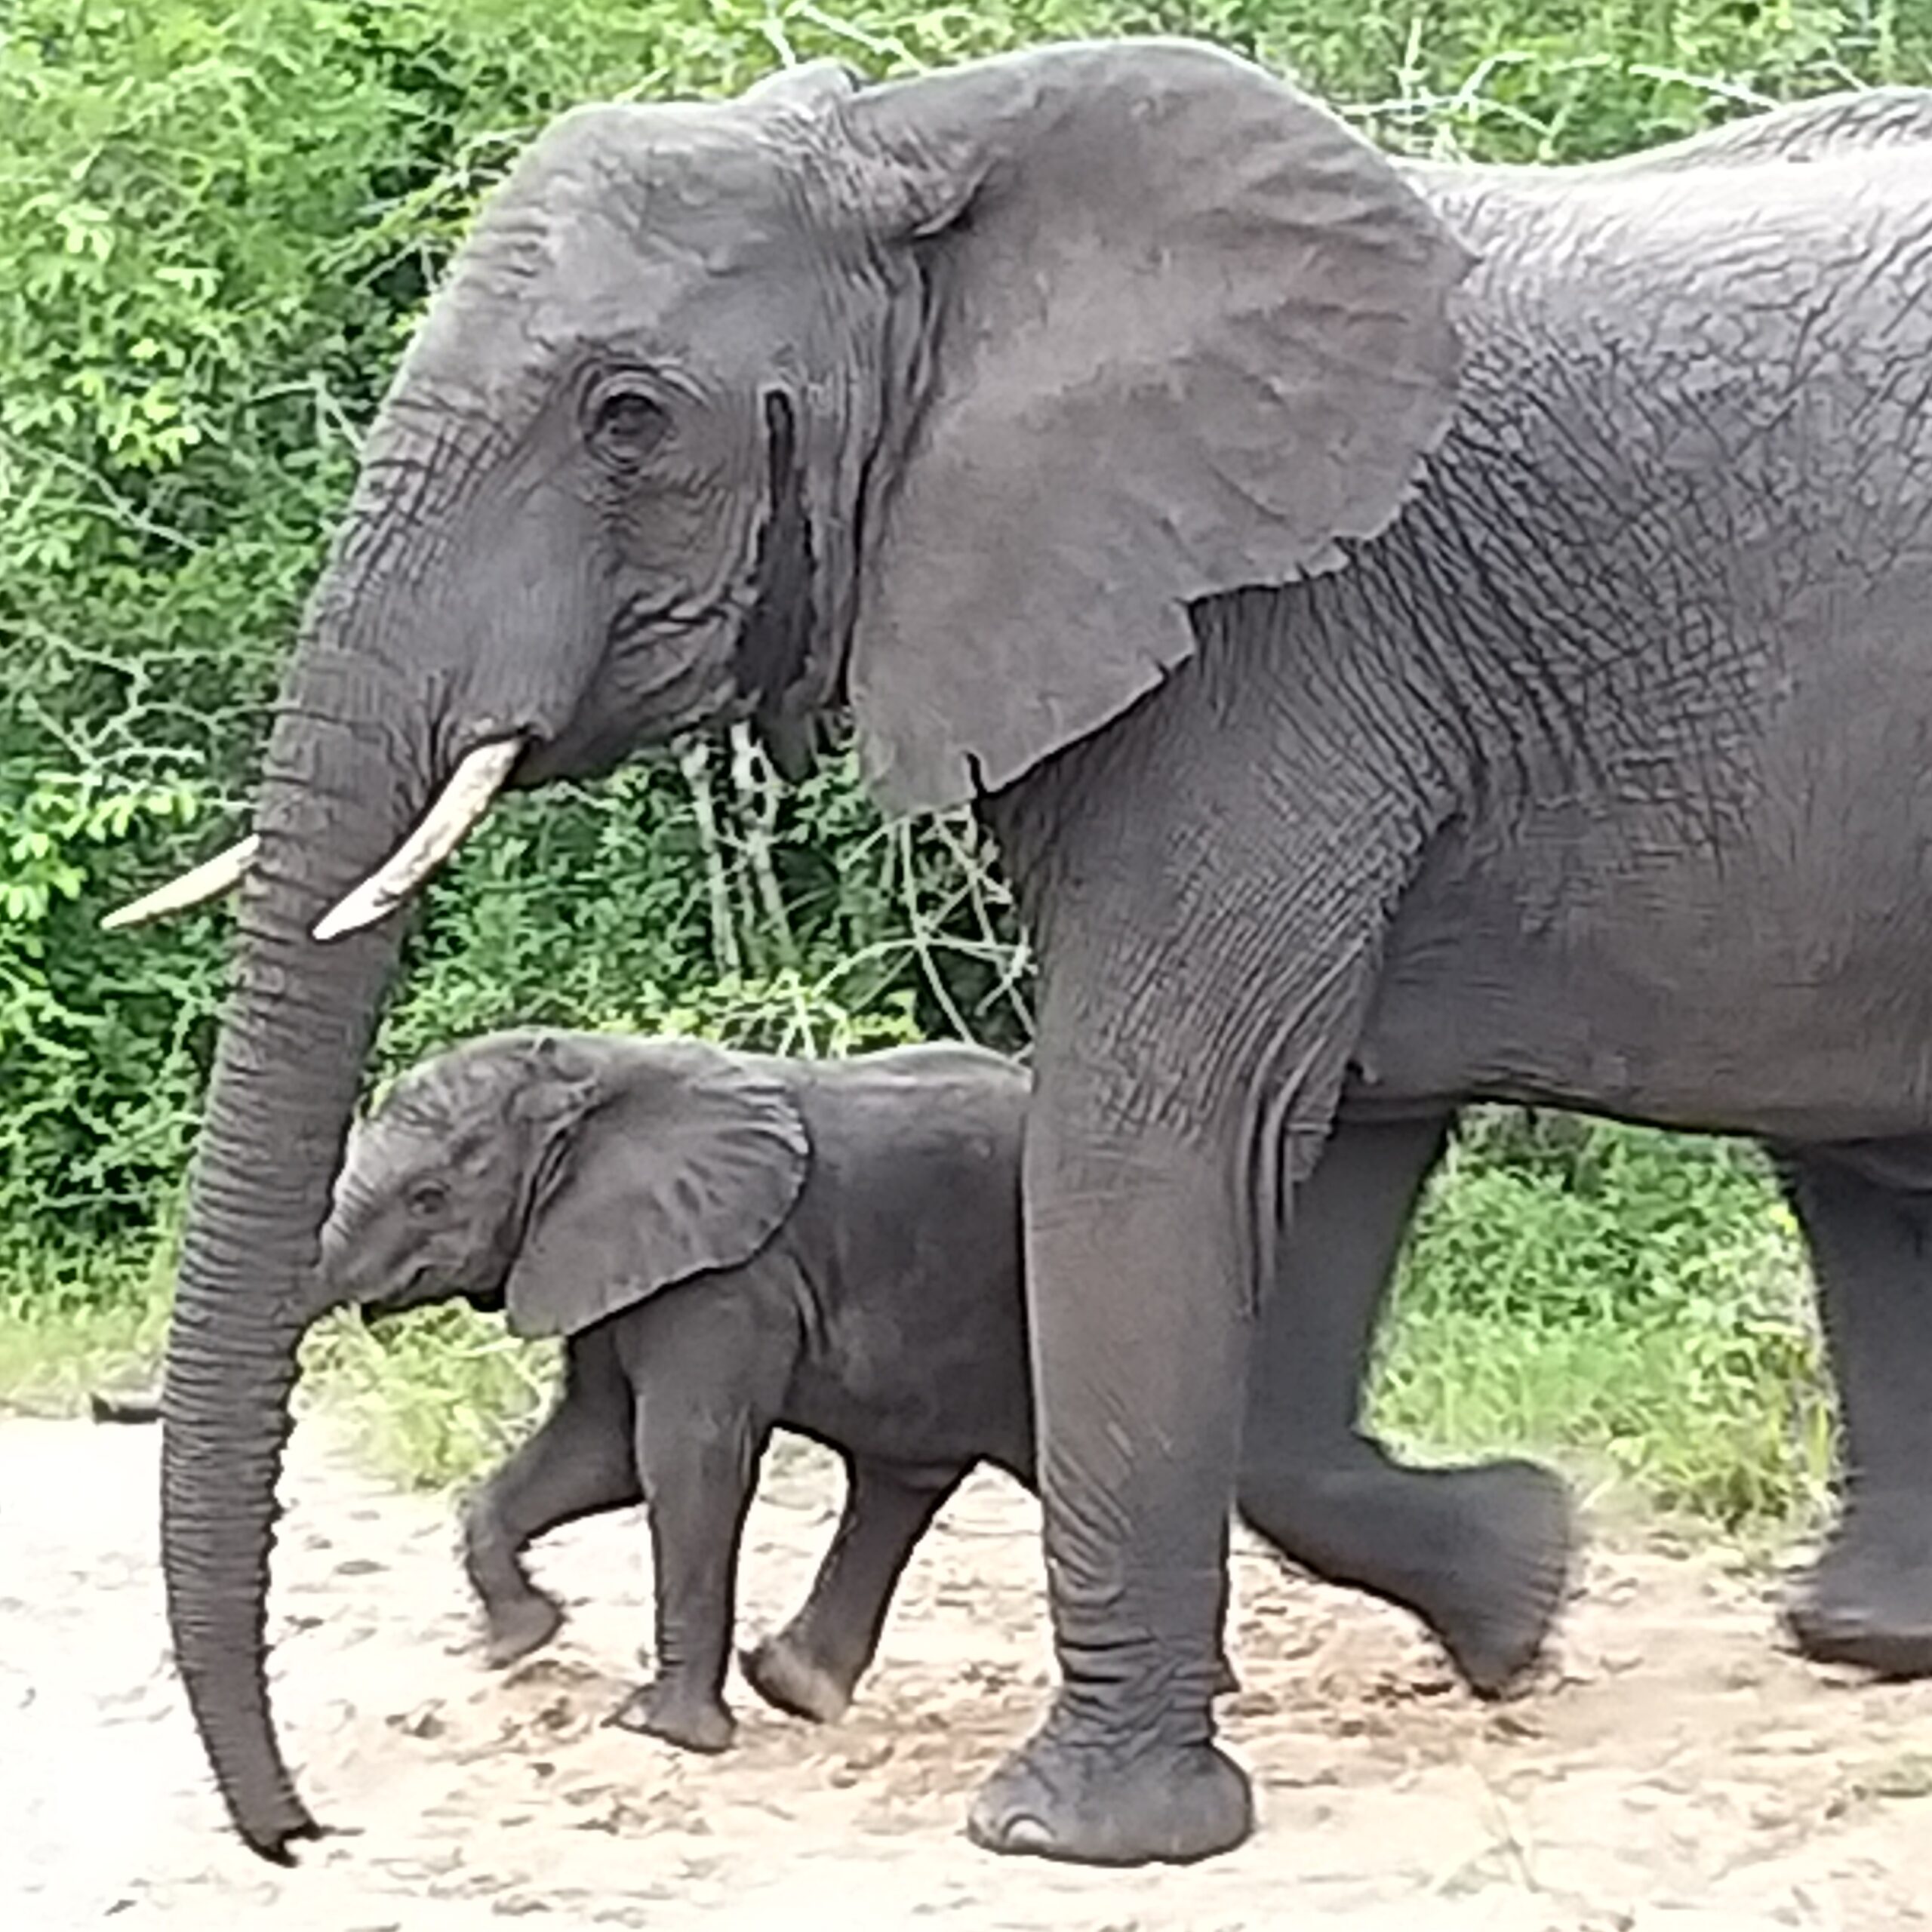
(708, 1377)
(578, 1463)
(1867, 1600)
(1481, 1554)
(700, 1470)
(810, 1666)
(1137, 1297)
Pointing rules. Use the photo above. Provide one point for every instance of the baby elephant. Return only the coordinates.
(726, 1242)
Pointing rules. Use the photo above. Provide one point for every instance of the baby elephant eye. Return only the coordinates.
(428, 1197)
(629, 425)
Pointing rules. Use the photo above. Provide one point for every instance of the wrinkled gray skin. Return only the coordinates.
(1415, 635)
(728, 1242)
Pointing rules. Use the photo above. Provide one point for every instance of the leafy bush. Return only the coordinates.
(98, 1055)
(1638, 1297)
(1549, 1219)
(224, 217)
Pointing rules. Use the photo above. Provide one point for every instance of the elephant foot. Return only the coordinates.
(693, 1721)
(784, 1672)
(1868, 1601)
(1499, 1602)
(788, 1677)
(514, 1629)
(1087, 1803)
(1482, 1555)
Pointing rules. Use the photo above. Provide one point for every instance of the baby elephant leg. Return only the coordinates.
(578, 1463)
(709, 1376)
(809, 1667)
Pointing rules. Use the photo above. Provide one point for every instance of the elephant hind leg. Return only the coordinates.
(1867, 1600)
(1481, 1554)
(810, 1667)
(711, 1366)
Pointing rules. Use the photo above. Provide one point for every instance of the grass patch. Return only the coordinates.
(81, 1319)
(1631, 1305)
(433, 1399)
(437, 1396)
(1663, 1412)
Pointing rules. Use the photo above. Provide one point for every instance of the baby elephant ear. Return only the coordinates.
(681, 1158)
(1189, 333)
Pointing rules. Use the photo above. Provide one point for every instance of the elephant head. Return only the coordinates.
(562, 1179)
(942, 399)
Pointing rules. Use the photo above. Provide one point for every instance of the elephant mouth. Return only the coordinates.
(420, 1290)
(413, 1290)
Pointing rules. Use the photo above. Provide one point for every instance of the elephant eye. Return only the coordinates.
(627, 425)
(426, 1199)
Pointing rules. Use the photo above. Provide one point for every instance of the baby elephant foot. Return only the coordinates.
(784, 1672)
(1063, 1797)
(1868, 1602)
(692, 1720)
(514, 1629)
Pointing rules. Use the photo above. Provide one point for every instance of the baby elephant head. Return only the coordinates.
(561, 1176)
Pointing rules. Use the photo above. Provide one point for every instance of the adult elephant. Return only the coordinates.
(1421, 633)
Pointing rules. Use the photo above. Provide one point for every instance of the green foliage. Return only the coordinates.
(801, 925)
(1556, 1220)
(97, 1055)
(224, 216)
(439, 1397)
(1620, 1293)
(74, 1318)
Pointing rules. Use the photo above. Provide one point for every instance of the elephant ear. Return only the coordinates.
(1190, 332)
(663, 1162)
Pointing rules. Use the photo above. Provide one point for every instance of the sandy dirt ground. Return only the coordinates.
(1673, 1770)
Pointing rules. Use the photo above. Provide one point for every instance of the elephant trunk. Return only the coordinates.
(343, 778)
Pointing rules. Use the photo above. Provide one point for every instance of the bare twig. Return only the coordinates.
(109, 502)
(1713, 84)
(920, 934)
(757, 796)
(695, 763)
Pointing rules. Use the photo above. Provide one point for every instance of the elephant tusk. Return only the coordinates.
(209, 880)
(458, 807)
